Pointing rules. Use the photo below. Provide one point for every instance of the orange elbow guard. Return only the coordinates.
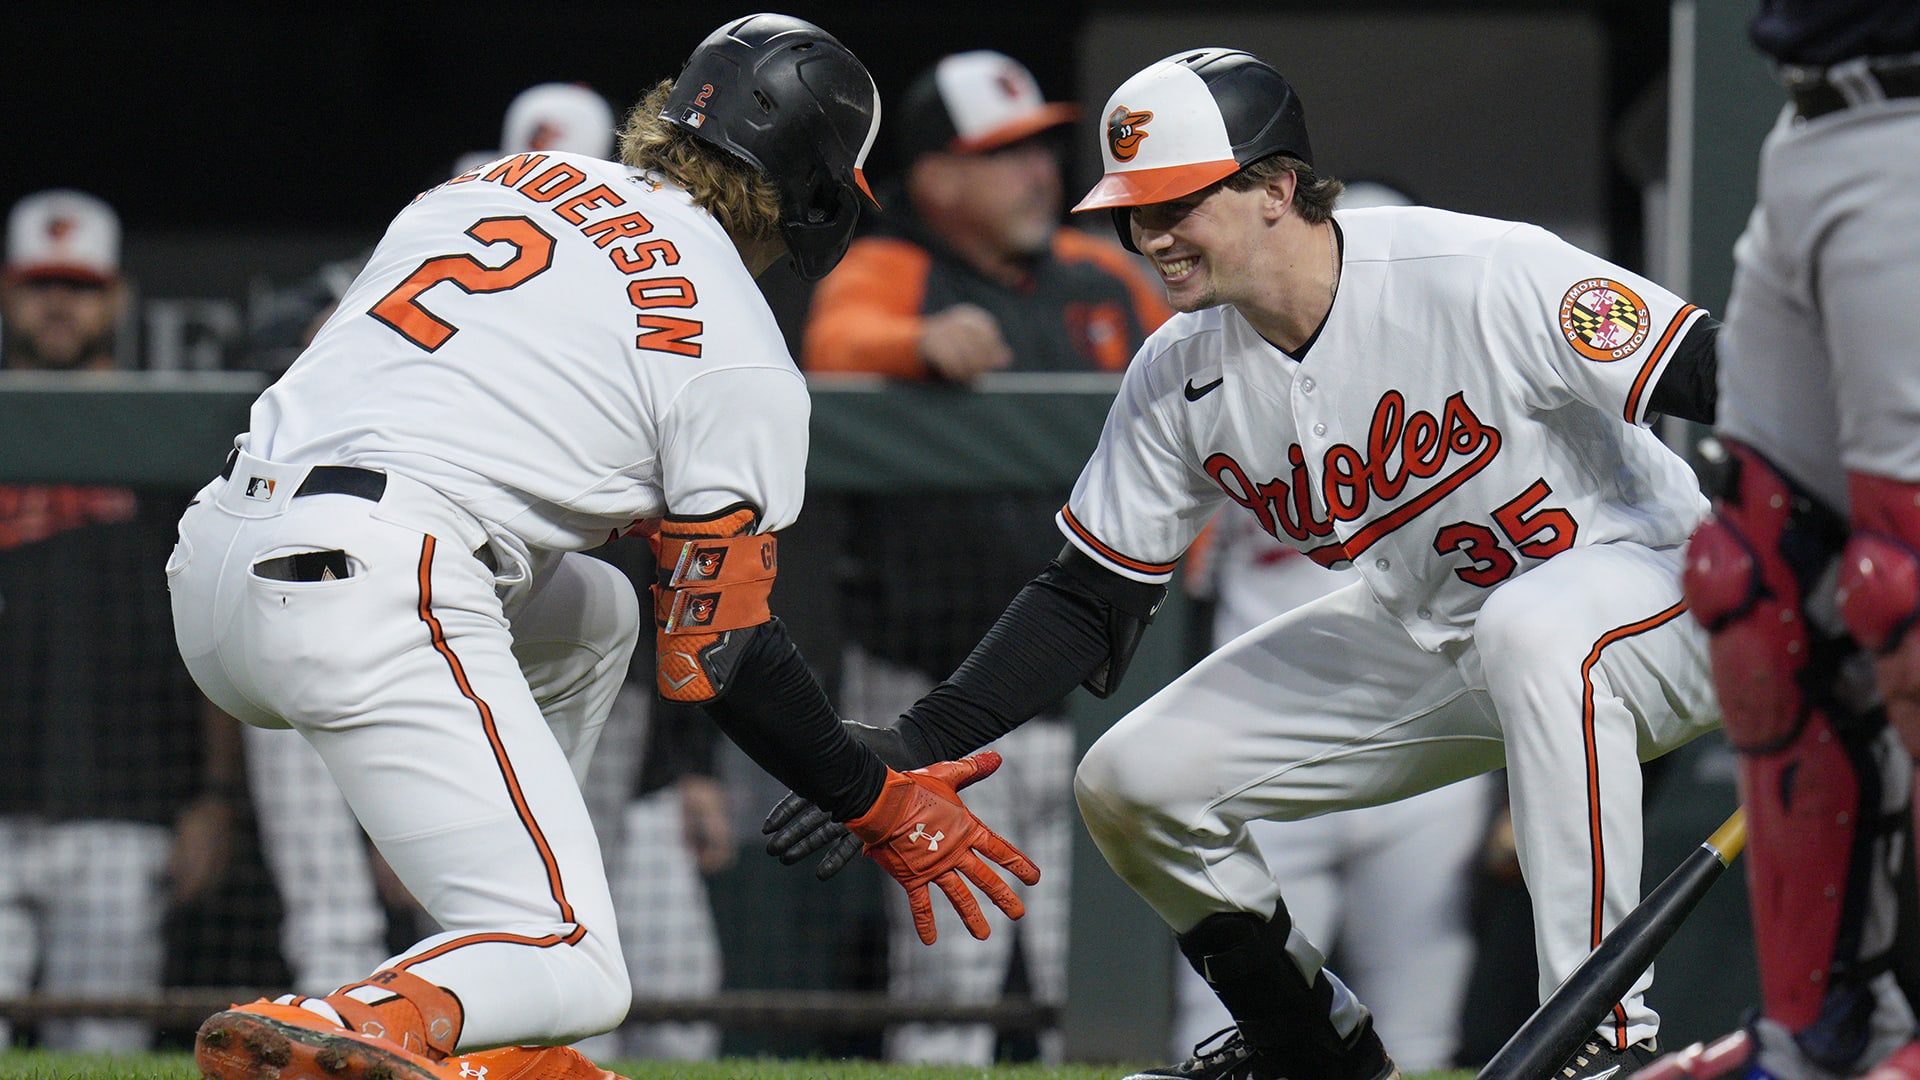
(715, 578)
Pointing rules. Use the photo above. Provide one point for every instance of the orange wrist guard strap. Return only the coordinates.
(715, 577)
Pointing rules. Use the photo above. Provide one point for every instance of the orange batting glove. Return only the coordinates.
(920, 832)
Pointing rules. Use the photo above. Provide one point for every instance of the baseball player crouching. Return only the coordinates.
(544, 352)
(1456, 407)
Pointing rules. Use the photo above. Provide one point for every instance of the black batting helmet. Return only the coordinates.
(1189, 120)
(785, 97)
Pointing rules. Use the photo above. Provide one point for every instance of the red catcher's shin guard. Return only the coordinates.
(1748, 568)
(1879, 593)
(1879, 598)
(1803, 810)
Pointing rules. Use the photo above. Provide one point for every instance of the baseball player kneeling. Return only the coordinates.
(544, 352)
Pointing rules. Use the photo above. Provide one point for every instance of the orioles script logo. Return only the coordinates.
(1401, 447)
(1124, 132)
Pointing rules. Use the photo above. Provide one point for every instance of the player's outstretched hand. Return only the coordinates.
(796, 829)
(919, 831)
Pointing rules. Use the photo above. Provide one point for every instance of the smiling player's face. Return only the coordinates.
(1202, 245)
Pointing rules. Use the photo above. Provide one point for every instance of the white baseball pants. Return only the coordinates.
(456, 723)
(1577, 671)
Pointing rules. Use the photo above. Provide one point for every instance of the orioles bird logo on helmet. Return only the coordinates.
(1124, 132)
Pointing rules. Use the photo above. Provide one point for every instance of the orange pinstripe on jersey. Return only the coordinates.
(505, 764)
(1112, 556)
(1596, 837)
(1645, 378)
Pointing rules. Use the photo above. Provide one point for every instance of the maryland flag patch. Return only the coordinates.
(1603, 319)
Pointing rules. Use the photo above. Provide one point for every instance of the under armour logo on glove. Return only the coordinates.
(928, 799)
(478, 1072)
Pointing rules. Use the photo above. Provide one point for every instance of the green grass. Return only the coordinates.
(37, 1065)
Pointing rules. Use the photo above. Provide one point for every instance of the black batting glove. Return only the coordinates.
(796, 828)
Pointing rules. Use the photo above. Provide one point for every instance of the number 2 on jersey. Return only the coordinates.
(1536, 533)
(402, 310)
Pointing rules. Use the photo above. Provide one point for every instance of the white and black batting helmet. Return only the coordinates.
(787, 98)
(1190, 120)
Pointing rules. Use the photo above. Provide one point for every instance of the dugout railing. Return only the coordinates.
(170, 431)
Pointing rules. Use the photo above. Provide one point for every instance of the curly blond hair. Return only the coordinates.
(743, 200)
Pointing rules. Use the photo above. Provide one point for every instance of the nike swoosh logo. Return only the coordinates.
(1195, 393)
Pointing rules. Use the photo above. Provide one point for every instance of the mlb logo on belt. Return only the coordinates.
(259, 487)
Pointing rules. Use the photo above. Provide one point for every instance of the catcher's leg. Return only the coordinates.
(1879, 593)
(1825, 790)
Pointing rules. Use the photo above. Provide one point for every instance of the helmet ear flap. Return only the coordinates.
(819, 231)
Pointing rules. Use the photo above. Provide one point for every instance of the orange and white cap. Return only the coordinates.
(973, 102)
(63, 234)
(1191, 119)
(563, 116)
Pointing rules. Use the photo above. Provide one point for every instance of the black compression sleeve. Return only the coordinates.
(1050, 638)
(1687, 388)
(774, 710)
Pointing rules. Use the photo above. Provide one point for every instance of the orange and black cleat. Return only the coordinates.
(268, 1041)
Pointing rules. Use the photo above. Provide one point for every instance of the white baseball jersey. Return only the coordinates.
(590, 319)
(541, 352)
(1472, 405)
(1466, 431)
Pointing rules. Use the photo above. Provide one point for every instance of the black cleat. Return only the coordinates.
(1598, 1060)
(1233, 1059)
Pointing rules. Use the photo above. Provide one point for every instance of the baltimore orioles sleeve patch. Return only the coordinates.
(1604, 320)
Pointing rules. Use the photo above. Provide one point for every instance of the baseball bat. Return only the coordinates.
(1558, 1027)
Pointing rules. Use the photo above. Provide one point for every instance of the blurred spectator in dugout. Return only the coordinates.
(969, 271)
(116, 776)
(569, 117)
